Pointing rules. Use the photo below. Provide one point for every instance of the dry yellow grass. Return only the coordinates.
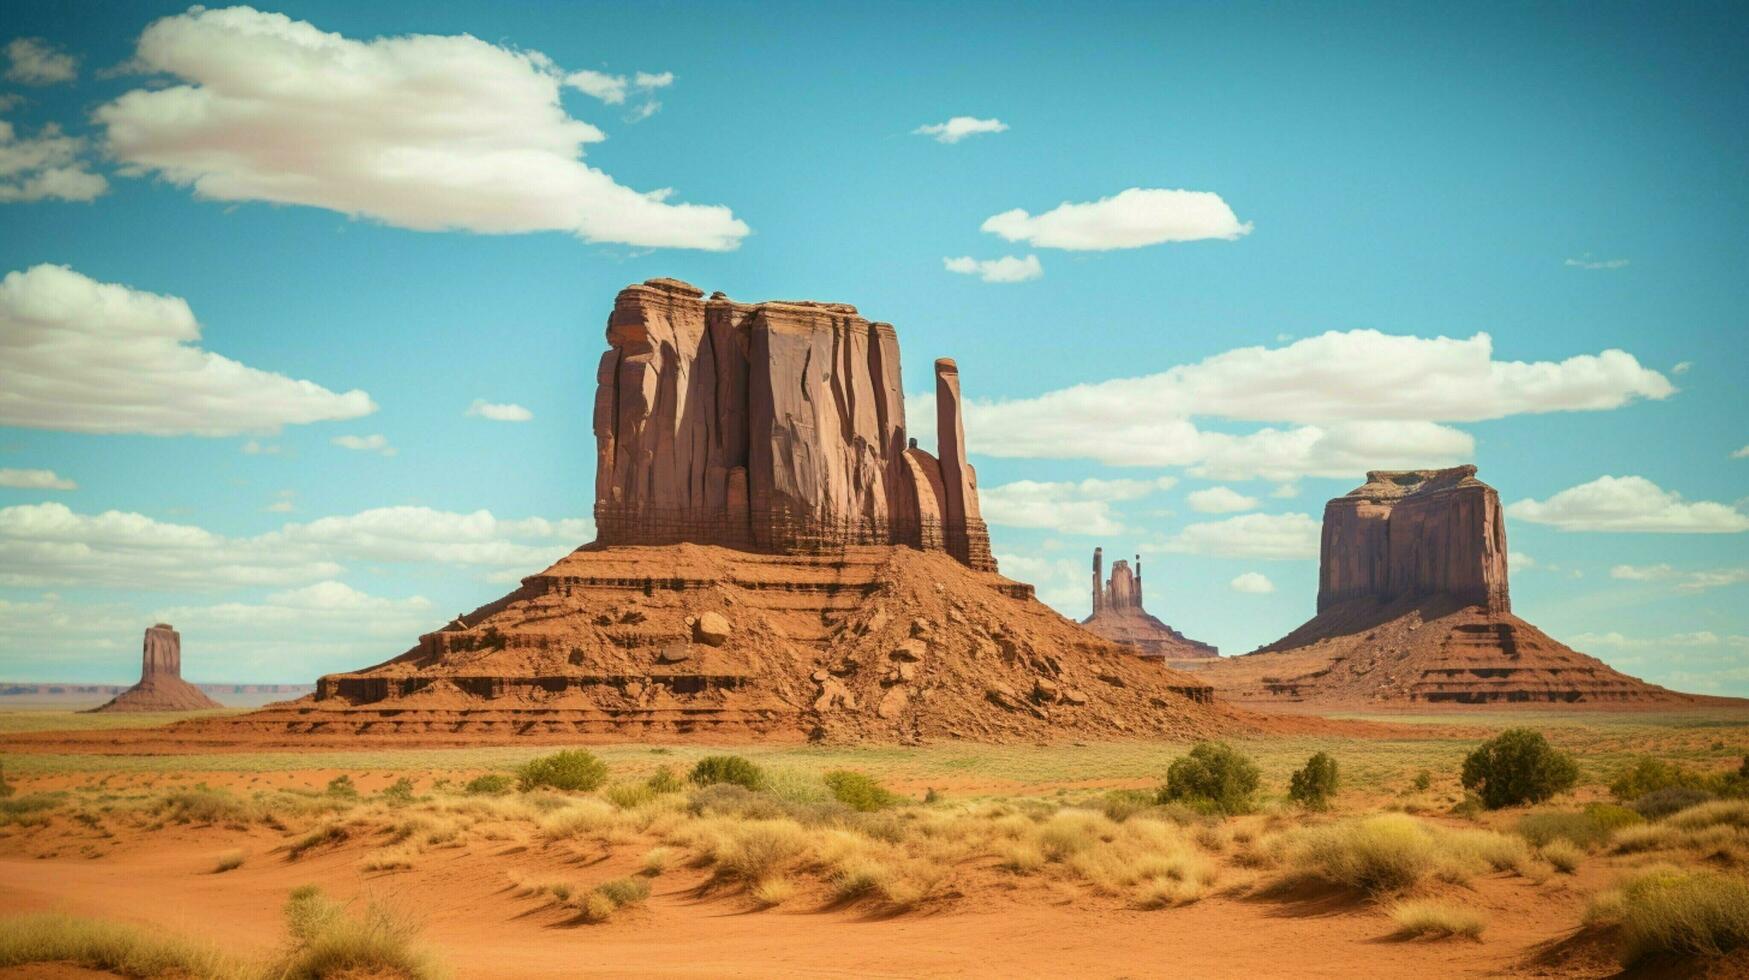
(1437, 919)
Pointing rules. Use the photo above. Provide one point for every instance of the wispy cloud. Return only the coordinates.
(960, 127)
(1082, 507)
(34, 61)
(34, 480)
(1251, 536)
(374, 443)
(506, 412)
(1006, 269)
(1587, 262)
(1683, 580)
(1130, 219)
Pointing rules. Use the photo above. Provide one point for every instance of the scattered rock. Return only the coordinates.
(711, 629)
(1074, 695)
(674, 653)
(893, 703)
(912, 650)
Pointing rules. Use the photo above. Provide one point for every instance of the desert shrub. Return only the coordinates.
(5, 787)
(329, 942)
(628, 795)
(1423, 781)
(1437, 919)
(760, 849)
(112, 947)
(573, 770)
(1392, 851)
(203, 805)
(732, 769)
(400, 792)
(1661, 803)
(328, 833)
(656, 860)
(342, 787)
(773, 891)
(1683, 913)
(1312, 786)
(228, 861)
(1588, 828)
(611, 896)
(490, 784)
(663, 780)
(1649, 775)
(1719, 813)
(859, 792)
(1563, 854)
(1518, 766)
(1119, 805)
(1215, 775)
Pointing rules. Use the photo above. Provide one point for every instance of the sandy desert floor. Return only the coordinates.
(1021, 865)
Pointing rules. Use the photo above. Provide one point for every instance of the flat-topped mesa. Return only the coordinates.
(161, 687)
(775, 427)
(1415, 533)
(1118, 615)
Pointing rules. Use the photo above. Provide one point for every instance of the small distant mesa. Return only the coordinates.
(161, 687)
(1118, 615)
(1413, 607)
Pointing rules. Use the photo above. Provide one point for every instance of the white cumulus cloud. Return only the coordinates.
(960, 127)
(507, 412)
(34, 61)
(1362, 400)
(1130, 219)
(1008, 268)
(1629, 503)
(1251, 536)
(50, 544)
(419, 131)
(84, 356)
(34, 480)
(1220, 500)
(1255, 583)
(50, 166)
(1082, 507)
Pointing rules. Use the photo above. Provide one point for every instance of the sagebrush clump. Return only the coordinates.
(733, 769)
(1518, 766)
(1314, 784)
(1215, 776)
(573, 770)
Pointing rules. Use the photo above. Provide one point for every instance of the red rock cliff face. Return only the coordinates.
(776, 426)
(1415, 533)
(161, 687)
(161, 654)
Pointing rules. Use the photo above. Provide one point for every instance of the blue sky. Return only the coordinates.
(1567, 180)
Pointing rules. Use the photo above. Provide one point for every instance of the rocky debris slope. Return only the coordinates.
(1413, 607)
(1118, 615)
(777, 427)
(876, 643)
(161, 687)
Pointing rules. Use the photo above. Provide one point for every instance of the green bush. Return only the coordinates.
(1649, 775)
(1661, 803)
(1589, 828)
(400, 792)
(1518, 766)
(663, 780)
(732, 769)
(573, 770)
(1313, 785)
(859, 792)
(1423, 781)
(342, 787)
(1214, 775)
(490, 784)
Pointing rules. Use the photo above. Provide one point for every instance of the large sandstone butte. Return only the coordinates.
(1413, 607)
(1118, 615)
(776, 427)
(775, 557)
(161, 687)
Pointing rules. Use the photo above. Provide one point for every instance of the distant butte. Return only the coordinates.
(161, 687)
(1118, 616)
(1413, 607)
